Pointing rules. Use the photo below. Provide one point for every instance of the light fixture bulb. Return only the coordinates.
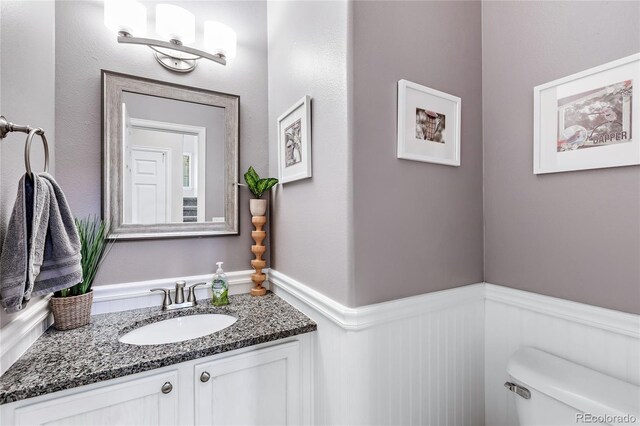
(127, 16)
(175, 23)
(220, 39)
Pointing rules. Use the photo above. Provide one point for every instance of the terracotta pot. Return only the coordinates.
(71, 312)
(258, 207)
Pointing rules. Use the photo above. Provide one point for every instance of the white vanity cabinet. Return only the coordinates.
(148, 400)
(266, 384)
(256, 388)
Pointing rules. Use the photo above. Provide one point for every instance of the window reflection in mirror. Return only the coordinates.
(173, 154)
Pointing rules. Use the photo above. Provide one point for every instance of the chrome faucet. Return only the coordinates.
(167, 304)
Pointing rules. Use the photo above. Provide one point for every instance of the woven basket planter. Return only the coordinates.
(71, 312)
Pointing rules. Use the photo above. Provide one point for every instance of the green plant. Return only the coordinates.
(93, 248)
(256, 185)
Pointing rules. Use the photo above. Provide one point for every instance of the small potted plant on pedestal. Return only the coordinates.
(72, 306)
(258, 187)
(258, 209)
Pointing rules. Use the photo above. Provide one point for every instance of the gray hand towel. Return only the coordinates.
(61, 267)
(13, 258)
(41, 250)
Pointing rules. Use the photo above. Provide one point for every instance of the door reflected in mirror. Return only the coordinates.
(173, 161)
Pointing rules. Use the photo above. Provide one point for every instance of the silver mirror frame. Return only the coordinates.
(113, 86)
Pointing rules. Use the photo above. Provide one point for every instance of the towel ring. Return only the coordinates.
(27, 151)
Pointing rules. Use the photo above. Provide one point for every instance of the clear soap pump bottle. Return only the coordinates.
(220, 287)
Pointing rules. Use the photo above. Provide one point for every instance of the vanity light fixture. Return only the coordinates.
(176, 26)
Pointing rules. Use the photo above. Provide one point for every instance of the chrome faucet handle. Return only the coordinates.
(180, 291)
(192, 292)
(167, 296)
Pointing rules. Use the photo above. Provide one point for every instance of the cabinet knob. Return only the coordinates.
(204, 377)
(167, 387)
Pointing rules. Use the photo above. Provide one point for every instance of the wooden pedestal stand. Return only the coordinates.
(258, 249)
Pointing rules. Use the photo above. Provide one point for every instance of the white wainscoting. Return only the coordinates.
(604, 340)
(135, 295)
(415, 361)
(19, 334)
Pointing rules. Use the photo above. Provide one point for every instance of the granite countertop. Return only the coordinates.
(60, 360)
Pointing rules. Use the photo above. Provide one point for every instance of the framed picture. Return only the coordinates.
(588, 120)
(294, 142)
(428, 124)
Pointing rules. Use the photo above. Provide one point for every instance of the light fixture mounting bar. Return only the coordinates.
(172, 46)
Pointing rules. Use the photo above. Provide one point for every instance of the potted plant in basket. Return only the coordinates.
(72, 306)
(258, 187)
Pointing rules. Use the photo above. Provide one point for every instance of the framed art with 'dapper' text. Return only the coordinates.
(588, 120)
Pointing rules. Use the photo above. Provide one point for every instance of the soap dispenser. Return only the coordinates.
(220, 287)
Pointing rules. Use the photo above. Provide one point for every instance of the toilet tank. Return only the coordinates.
(565, 393)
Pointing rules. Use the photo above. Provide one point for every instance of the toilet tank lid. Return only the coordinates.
(580, 387)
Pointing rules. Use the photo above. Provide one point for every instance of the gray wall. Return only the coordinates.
(572, 235)
(191, 114)
(27, 91)
(541, 234)
(311, 219)
(79, 60)
(418, 226)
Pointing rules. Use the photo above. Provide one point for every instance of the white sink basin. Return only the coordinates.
(177, 329)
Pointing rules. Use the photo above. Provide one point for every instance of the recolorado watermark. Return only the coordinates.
(606, 418)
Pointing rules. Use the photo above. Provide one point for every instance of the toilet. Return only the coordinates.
(549, 390)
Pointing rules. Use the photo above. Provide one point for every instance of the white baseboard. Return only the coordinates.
(19, 334)
(135, 295)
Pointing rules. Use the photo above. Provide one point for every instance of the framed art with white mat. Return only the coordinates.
(428, 124)
(294, 142)
(588, 120)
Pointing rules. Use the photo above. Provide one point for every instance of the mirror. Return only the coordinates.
(170, 159)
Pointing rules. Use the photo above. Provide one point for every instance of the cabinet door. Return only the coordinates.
(134, 402)
(256, 388)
